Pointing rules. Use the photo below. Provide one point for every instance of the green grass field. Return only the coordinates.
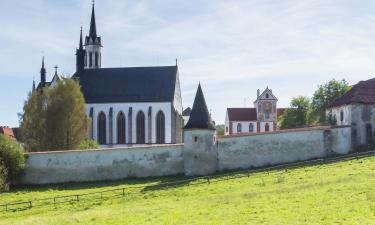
(336, 193)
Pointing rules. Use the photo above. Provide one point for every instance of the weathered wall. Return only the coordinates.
(281, 147)
(104, 164)
(199, 153)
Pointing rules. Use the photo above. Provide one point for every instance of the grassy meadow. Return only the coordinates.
(335, 193)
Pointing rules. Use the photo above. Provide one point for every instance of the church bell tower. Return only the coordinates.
(93, 57)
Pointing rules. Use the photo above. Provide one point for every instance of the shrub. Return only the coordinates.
(88, 144)
(4, 186)
(12, 158)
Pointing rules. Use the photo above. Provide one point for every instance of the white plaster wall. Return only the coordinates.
(263, 126)
(336, 111)
(136, 107)
(104, 164)
(245, 126)
(92, 49)
(275, 148)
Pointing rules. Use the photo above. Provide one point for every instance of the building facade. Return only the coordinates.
(357, 109)
(128, 105)
(261, 118)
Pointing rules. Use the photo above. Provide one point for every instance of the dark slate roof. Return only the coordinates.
(199, 116)
(130, 84)
(242, 114)
(363, 93)
(186, 112)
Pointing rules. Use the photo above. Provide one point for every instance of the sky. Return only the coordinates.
(232, 47)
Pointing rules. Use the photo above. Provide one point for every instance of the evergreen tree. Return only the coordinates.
(66, 120)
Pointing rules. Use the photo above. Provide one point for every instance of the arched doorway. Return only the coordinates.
(160, 128)
(140, 127)
(102, 140)
(121, 128)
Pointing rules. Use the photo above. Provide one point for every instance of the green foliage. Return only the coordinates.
(325, 95)
(305, 112)
(297, 114)
(55, 118)
(66, 120)
(33, 121)
(334, 193)
(12, 160)
(220, 129)
(4, 185)
(88, 144)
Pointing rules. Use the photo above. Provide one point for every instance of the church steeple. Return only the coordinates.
(93, 45)
(43, 74)
(80, 56)
(93, 34)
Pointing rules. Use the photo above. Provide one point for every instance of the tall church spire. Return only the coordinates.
(80, 56)
(43, 74)
(93, 45)
(93, 34)
(80, 41)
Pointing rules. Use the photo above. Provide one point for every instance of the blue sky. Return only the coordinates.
(231, 47)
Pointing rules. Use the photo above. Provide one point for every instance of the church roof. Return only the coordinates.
(242, 114)
(199, 116)
(363, 92)
(129, 84)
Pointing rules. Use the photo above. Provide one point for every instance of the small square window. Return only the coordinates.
(195, 139)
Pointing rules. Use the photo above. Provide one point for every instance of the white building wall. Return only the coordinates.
(165, 107)
(245, 126)
(347, 114)
(263, 126)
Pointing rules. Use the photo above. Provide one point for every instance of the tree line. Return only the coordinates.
(305, 111)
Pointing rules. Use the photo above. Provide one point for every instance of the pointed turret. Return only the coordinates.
(33, 89)
(199, 116)
(43, 74)
(80, 56)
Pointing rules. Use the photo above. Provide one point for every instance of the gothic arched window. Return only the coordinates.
(239, 128)
(140, 128)
(251, 127)
(90, 59)
(121, 128)
(160, 128)
(102, 140)
(267, 127)
(341, 115)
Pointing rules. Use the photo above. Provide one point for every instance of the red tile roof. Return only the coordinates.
(363, 92)
(242, 114)
(8, 132)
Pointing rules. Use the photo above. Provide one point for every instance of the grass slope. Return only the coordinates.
(337, 193)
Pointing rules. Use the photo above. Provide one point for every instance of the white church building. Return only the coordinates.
(131, 105)
(261, 118)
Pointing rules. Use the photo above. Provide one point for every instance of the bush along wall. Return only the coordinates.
(12, 162)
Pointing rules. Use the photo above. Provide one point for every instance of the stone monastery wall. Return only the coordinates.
(229, 153)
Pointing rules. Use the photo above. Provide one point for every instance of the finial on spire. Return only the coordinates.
(176, 61)
(56, 67)
(80, 40)
(43, 62)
